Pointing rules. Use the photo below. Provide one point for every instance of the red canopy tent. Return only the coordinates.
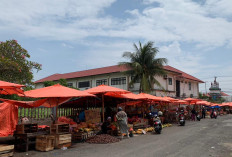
(8, 88)
(9, 112)
(203, 103)
(56, 94)
(104, 89)
(191, 100)
(180, 102)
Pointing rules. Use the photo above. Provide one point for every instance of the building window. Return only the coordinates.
(118, 81)
(100, 82)
(190, 86)
(84, 84)
(169, 81)
(70, 84)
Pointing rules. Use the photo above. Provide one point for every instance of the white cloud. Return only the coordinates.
(77, 20)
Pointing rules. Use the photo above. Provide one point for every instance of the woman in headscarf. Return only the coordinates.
(121, 117)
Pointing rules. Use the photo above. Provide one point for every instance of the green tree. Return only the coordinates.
(62, 82)
(14, 64)
(144, 66)
(48, 83)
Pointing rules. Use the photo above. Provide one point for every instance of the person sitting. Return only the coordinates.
(24, 120)
(77, 120)
(106, 126)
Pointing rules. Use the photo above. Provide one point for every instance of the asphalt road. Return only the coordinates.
(209, 137)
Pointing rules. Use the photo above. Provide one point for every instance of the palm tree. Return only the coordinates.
(144, 66)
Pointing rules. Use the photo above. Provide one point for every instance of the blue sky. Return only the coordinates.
(69, 35)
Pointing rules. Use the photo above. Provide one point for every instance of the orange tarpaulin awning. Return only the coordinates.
(150, 97)
(132, 96)
(203, 103)
(191, 100)
(123, 96)
(180, 102)
(56, 94)
(170, 99)
(47, 102)
(130, 103)
(8, 88)
(25, 104)
(103, 89)
(8, 118)
(56, 91)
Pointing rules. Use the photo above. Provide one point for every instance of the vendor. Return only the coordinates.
(77, 120)
(106, 126)
(82, 116)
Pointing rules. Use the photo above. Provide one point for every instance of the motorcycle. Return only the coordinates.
(157, 125)
(198, 116)
(214, 115)
(181, 119)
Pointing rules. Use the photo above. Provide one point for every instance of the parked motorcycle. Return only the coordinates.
(157, 125)
(181, 119)
(214, 115)
(198, 116)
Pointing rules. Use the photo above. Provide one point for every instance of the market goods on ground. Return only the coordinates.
(102, 139)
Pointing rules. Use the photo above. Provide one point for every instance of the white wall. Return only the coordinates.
(169, 90)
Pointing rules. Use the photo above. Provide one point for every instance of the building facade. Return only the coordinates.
(175, 84)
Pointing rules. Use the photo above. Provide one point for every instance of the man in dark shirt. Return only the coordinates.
(203, 112)
(106, 126)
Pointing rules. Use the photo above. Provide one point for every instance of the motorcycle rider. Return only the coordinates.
(150, 119)
(212, 112)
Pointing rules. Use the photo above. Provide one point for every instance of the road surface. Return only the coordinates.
(209, 137)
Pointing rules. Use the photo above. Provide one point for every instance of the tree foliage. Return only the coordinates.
(62, 82)
(144, 66)
(14, 64)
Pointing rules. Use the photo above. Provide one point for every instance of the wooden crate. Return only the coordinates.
(90, 134)
(79, 136)
(6, 150)
(26, 128)
(62, 139)
(45, 143)
(59, 128)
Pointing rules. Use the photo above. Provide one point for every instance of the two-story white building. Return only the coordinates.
(175, 84)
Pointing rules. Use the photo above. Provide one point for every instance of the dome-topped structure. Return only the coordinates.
(215, 90)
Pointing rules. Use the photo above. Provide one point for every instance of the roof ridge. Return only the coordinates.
(184, 73)
(105, 70)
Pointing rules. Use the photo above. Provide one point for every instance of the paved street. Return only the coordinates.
(209, 137)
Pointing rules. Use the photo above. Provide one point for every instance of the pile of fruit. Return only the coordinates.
(139, 131)
(66, 120)
(166, 125)
(84, 127)
(150, 129)
(102, 139)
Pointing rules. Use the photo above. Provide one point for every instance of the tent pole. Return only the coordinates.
(103, 104)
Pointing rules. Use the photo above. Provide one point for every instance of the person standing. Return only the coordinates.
(121, 117)
(193, 114)
(203, 112)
